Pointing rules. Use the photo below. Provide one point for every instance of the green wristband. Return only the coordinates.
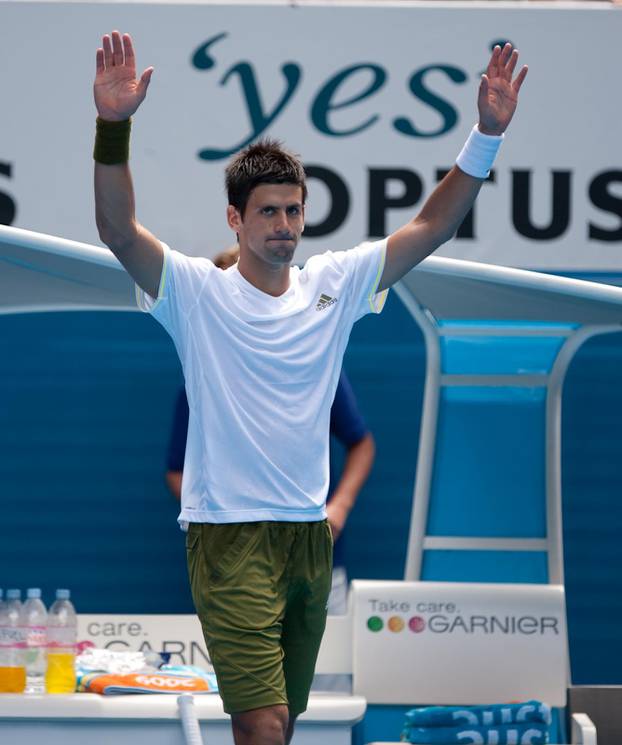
(112, 141)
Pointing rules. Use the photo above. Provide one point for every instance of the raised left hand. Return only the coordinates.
(498, 93)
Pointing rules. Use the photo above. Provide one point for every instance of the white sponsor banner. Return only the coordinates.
(459, 643)
(378, 99)
(181, 636)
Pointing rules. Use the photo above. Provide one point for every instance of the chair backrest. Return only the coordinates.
(458, 643)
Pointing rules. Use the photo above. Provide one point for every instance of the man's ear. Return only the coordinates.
(234, 219)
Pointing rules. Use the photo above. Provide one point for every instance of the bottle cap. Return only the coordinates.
(33, 592)
(13, 594)
(63, 594)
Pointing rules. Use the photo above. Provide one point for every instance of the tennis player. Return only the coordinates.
(261, 346)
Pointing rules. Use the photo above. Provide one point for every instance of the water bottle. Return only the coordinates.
(12, 670)
(3, 641)
(62, 632)
(34, 623)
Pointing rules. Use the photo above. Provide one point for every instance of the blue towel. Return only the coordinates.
(532, 733)
(481, 716)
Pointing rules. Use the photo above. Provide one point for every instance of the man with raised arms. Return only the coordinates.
(261, 346)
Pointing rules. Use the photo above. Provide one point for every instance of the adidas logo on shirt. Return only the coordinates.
(325, 301)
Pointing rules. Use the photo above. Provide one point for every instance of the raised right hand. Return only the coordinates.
(117, 92)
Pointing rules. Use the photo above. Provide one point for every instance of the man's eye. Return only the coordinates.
(293, 211)
(268, 210)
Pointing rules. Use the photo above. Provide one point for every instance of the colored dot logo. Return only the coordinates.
(416, 624)
(395, 624)
(374, 623)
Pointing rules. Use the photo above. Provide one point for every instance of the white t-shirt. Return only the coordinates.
(261, 374)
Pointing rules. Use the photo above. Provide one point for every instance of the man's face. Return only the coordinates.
(272, 224)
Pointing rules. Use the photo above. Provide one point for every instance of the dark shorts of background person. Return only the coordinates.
(261, 590)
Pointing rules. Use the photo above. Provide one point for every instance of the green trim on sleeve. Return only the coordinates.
(375, 299)
(143, 300)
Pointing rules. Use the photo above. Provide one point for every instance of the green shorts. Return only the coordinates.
(260, 591)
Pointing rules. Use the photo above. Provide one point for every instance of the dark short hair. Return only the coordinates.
(265, 162)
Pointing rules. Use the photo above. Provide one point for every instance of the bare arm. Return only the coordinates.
(358, 463)
(117, 96)
(450, 202)
(173, 481)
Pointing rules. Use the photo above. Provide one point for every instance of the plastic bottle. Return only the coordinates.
(34, 623)
(62, 631)
(12, 670)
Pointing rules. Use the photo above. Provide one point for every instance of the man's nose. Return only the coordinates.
(281, 224)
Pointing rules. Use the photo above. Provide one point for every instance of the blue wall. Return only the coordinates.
(86, 403)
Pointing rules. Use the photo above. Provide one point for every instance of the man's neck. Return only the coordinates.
(273, 279)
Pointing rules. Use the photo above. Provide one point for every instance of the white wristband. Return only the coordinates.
(478, 154)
